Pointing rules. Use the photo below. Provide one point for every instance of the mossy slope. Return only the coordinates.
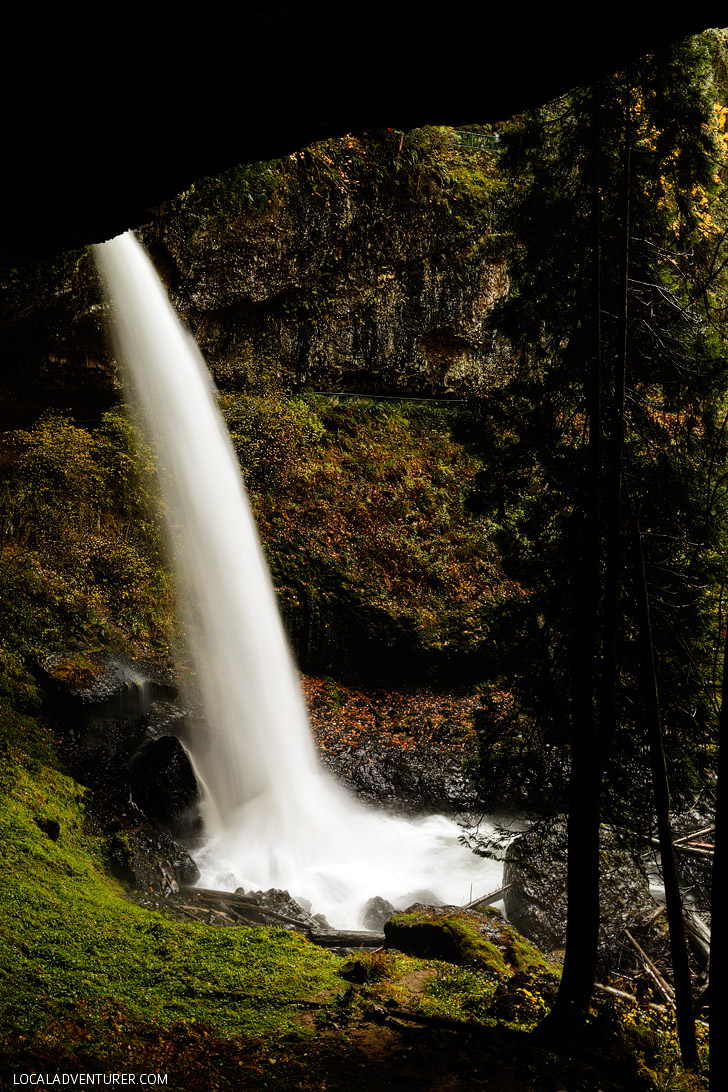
(77, 953)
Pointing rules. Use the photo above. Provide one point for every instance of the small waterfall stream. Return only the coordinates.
(273, 818)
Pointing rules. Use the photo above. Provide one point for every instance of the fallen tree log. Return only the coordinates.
(348, 938)
(705, 850)
(628, 997)
(688, 839)
(652, 972)
(246, 910)
(698, 935)
(488, 900)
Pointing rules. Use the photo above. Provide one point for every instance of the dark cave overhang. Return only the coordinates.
(107, 115)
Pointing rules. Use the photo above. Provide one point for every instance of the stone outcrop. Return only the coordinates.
(535, 867)
(378, 289)
(120, 737)
(471, 938)
(331, 285)
(96, 686)
(422, 779)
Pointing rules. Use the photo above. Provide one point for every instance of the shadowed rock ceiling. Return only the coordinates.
(108, 113)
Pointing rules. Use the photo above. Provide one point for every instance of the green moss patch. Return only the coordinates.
(76, 953)
(464, 937)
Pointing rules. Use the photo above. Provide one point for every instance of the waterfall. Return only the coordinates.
(272, 816)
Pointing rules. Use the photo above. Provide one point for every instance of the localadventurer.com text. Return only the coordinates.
(48, 1080)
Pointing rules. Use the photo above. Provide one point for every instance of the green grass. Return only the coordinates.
(75, 948)
(91, 981)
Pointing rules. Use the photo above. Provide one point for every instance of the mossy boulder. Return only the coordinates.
(470, 938)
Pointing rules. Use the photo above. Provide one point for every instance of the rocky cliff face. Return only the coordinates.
(359, 272)
(53, 351)
(363, 264)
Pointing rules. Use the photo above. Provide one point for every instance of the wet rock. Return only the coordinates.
(164, 786)
(376, 911)
(281, 903)
(151, 861)
(409, 781)
(535, 866)
(104, 685)
(164, 718)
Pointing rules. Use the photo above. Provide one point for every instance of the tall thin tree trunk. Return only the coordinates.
(582, 928)
(613, 506)
(673, 901)
(718, 1010)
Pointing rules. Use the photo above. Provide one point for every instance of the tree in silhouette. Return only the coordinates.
(613, 389)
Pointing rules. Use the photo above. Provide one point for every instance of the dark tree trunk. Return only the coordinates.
(673, 902)
(613, 506)
(718, 962)
(582, 928)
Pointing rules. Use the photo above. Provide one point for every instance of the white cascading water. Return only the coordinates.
(273, 817)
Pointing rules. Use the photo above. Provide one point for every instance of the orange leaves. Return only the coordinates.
(344, 718)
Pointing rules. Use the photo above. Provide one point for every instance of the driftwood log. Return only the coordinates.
(652, 972)
(689, 845)
(228, 908)
(348, 938)
(488, 900)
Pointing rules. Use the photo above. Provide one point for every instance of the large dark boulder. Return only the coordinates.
(164, 786)
(535, 903)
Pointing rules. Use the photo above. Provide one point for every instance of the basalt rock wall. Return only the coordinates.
(379, 281)
(366, 264)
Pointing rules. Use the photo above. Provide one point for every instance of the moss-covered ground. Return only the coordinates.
(94, 982)
(76, 948)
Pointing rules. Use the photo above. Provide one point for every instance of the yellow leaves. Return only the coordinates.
(720, 127)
